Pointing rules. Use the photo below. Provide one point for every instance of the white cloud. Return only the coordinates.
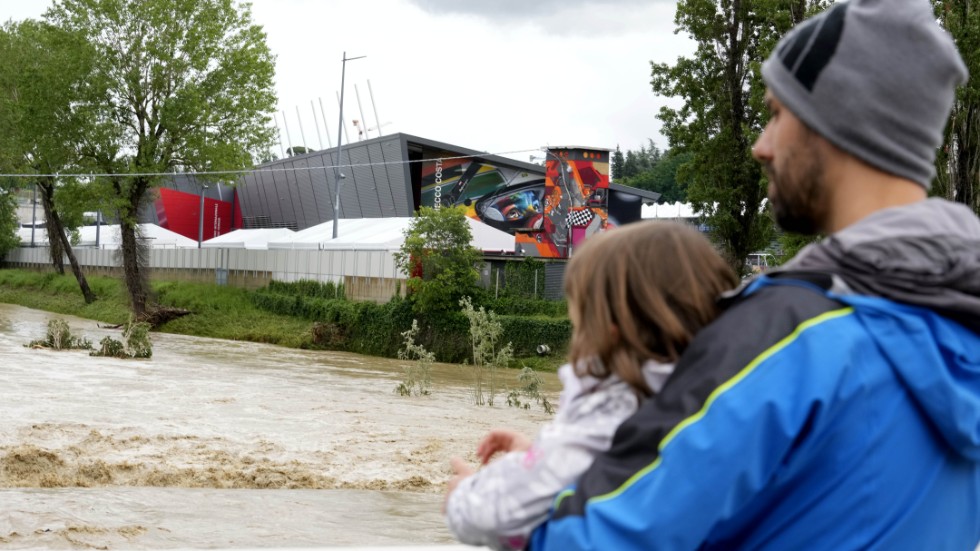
(493, 76)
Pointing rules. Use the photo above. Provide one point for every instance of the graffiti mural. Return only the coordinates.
(576, 202)
(549, 216)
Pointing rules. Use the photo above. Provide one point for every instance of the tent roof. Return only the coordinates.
(248, 239)
(382, 234)
(668, 211)
(155, 236)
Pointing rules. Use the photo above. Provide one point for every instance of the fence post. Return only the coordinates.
(496, 290)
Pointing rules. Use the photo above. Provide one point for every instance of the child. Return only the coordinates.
(636, 297)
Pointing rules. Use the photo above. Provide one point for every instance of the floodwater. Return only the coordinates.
(215, 444)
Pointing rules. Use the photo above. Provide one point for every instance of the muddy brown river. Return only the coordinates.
(215, 444)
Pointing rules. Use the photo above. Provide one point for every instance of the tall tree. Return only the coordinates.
(662, 178)
(182, 85)
(958, 161)
(618, 161)
(723, 112)
(43, 71)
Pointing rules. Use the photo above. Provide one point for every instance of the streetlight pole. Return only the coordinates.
(200, 222)
(34, 214)
(340, 144)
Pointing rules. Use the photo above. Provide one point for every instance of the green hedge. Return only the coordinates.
(526, 333)
(375, 329)
(306, 288)
(518, 306)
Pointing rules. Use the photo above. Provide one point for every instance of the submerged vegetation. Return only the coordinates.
(60, 337)
(417, 374)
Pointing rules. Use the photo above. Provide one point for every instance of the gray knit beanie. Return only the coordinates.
(876, 78)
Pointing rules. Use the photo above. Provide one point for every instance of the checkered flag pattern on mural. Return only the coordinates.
(581, 217)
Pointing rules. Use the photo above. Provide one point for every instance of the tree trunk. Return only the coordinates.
(56, 234)
(136, 283)
(54, 243)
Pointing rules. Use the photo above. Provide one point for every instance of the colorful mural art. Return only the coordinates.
(549, 215)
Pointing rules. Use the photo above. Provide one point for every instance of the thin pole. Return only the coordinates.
(319, 138)
(200, 223)
(326, 129)
(34, 215)
(377, 121)
(357, 95)
(301, 133)
(279, 136)
(340, 144)
(341, 103)
(289, 138)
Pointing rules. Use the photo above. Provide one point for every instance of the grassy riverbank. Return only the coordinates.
(227, 313)
(219, 312)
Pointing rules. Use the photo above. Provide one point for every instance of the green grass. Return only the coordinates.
(60, 294)
(217, 311)
(220, 312)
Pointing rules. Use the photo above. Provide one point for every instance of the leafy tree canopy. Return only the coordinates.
(8, 216)
(958, 161)
(177, 85)
(439, 259)
(662, 178)
(723, 112)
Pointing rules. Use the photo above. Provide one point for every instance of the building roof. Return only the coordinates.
(648, 197)
(669, 211)
(248, 239)
(109, 237)
(382, 234)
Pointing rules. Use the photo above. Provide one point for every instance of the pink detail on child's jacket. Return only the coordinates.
(531, 457)
(515, 542)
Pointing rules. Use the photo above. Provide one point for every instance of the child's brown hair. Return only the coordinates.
(640, 292)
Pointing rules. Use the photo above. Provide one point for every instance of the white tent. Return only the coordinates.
(386, 234)
(109, 238)
(668, 211)
(40, 236)
(249, 239)
(153, 235)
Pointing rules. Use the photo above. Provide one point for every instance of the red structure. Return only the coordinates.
(180, 212)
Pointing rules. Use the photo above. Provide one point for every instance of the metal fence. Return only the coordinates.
(367, 274)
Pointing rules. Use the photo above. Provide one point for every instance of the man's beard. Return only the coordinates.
(797, 191)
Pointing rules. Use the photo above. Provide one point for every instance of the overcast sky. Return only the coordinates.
(492, 75)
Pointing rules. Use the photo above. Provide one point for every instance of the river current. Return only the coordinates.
(215, 444)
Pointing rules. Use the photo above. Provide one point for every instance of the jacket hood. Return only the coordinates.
(925, 254)
(938, 363)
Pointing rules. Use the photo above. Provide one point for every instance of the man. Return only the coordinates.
(835, 404)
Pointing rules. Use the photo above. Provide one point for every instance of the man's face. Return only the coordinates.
(794, 160)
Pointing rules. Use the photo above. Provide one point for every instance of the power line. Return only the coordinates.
(261, 170)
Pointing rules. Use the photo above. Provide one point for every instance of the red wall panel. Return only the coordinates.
(180, 212)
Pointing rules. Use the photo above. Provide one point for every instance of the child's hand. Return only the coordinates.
(501, 440)
(461, 470)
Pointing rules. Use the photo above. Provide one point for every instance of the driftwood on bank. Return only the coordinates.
(156, 317)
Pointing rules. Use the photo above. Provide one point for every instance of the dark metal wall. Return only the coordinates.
(298, 192)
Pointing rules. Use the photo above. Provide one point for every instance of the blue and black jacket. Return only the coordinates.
(810, 416)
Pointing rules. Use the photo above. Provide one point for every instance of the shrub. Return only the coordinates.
(59, 337)
(417, 377)
(528, 390)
